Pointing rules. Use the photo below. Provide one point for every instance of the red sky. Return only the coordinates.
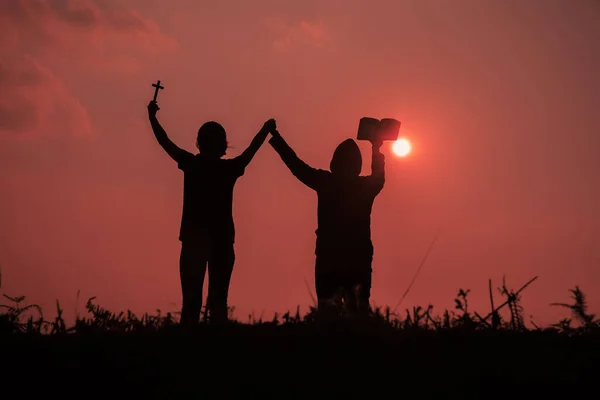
(500, 100)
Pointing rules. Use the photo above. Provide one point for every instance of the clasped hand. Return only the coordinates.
(270, 126)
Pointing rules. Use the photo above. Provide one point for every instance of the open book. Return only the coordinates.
(385, 129)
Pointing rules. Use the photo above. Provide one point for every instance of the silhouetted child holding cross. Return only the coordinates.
(207, 231)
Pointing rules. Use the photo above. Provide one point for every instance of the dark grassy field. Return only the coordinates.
(458, 354)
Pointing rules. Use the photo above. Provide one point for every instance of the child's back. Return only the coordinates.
(208, 197)
(344, 213)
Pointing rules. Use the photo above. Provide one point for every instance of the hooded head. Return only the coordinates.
(346, 159)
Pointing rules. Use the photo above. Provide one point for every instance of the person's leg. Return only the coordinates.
(355, 278)
(351, 301)
(326, 280)
(220, 268)
(348, 279)
(363, 279)
(192, 268)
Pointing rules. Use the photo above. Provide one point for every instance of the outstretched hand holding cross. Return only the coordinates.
(153, 106)
(171, 148)
(157, 88)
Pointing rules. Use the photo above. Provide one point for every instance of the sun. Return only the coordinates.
(401, 147)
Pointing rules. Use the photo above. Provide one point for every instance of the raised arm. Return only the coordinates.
(248, 154)
(305, 173)
(171, 148)
(377, 177)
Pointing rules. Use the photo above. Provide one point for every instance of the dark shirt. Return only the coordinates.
(208, 197)
(344, 202)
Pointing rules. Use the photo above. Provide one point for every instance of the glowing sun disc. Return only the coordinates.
(401, 147)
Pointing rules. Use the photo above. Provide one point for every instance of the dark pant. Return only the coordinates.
(346, 274)
(195, 256)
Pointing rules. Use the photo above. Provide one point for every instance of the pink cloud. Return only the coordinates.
(36, 102)
(42, 37)
(87, 31)
(301, 34)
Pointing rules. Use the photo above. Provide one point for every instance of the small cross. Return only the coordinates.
(158, 87)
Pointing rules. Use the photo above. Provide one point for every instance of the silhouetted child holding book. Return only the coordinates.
(344, 251)
(207, 231)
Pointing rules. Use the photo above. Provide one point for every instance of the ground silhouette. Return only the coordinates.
(420, 355)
